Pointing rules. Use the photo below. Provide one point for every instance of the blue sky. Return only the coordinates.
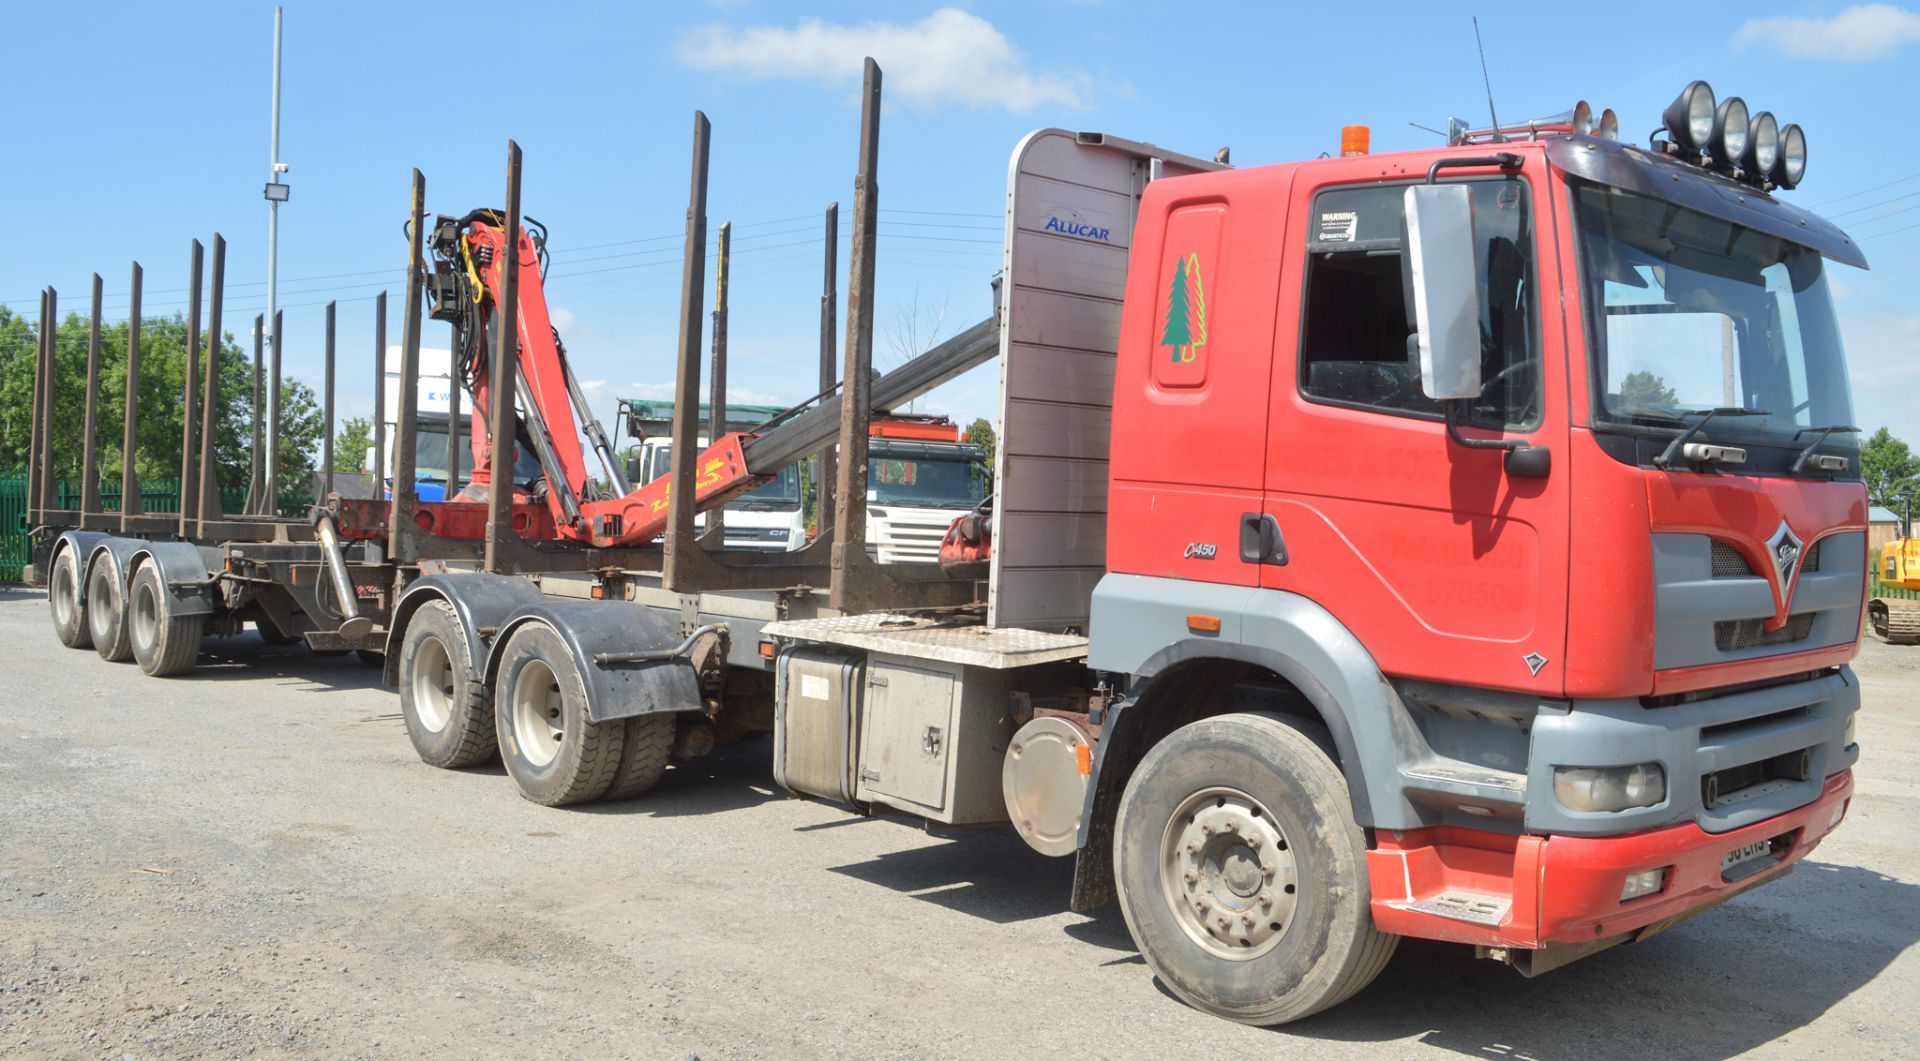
(137, 127)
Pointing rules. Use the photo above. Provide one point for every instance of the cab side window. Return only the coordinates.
(1353, 348)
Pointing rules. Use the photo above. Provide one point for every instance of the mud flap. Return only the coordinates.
(615, 690)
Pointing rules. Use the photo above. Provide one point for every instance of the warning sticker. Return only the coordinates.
(1338, 226)
(813, 687)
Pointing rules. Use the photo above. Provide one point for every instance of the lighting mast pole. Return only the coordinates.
(276, 193)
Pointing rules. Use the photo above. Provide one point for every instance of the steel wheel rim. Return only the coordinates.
(1227, 874)
(146, 615)
(66, 590)
(433, 684)
(538, 725)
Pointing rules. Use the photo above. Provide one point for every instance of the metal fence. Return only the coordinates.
(15, 546)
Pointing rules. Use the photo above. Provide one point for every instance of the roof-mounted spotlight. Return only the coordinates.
(1792, 164)
(1730, 132)
(1763, 146)
(1690, 117)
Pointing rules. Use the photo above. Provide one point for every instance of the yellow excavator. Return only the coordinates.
(1896, 620)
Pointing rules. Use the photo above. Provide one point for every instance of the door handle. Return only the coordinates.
(1260, 540)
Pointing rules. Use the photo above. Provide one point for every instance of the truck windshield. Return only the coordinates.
(1689, 313)
(430, 457)
(925, 483)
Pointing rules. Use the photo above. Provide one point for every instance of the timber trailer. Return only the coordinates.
(1380, 548)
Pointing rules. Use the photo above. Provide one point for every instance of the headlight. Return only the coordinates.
(1730, 132)
(1588, 789)
(1689, 118)
(1764, 149)
(1793, 157)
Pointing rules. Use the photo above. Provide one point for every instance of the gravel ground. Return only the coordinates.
(251, 861)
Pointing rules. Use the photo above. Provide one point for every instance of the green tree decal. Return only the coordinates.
(1178, 331)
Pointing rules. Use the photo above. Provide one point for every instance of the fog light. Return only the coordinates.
(1645, 882)
(1839, 812)
(1609, 788)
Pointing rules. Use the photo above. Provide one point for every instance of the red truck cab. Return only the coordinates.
(1577, 636)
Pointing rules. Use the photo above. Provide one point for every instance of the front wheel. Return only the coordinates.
(1242, 873)
(553, 753)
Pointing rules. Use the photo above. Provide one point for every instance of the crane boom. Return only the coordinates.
(465, 288)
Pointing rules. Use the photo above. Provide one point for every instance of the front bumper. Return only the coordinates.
(1546, 892)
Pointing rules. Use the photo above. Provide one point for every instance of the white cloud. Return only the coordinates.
(563, 319)
(950, 56)
(1862, 32)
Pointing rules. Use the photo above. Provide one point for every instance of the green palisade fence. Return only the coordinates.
(15, 545)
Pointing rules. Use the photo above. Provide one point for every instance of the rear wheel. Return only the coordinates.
(164, 643)
(63, 599)
(107, 611)
(446, 711)
(1242, 873)
(643, 759)
(549, 747)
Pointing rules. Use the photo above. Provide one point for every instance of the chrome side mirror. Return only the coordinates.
(1441, 280)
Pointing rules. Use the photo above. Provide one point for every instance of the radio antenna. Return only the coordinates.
(1478, 43)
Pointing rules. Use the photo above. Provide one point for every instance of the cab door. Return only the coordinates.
(1190, 406)
(1444, 564)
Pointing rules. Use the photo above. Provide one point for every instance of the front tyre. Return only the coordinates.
(553, 753)
(446, 712)
(63, 599)
(164, 643)
(1242, 873)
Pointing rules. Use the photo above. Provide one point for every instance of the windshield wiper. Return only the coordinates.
(1827, 462)
(1715, 453)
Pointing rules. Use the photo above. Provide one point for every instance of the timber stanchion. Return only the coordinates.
(678, 562)
(829, 303)
(506, 359)
(856, 412)
(379, 469)
(130, 506)
(90, 419)
(326, 414)
(34, 411)
(401, 530)
(255, 483)
(50, 380)
(189, 495)
(717, 376)
(208, 508)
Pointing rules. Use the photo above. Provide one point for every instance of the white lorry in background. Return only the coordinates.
(771, 518)
(431, 468)
(921, 476)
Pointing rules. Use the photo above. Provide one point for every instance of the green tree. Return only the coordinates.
(981, 434)
(157, 428)
(1178, 332)
(1646, 389)
(1891, 472)
(351, 443)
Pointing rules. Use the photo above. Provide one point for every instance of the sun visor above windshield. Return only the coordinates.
(1642, 172)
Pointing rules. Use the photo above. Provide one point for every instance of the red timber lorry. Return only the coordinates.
(1460, 543)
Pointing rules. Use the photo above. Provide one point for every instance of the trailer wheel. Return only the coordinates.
(446, 711)
(107, 625)
(643, 760)
(550, 749)
(164, 644)
(63, 599)
(1242, 873)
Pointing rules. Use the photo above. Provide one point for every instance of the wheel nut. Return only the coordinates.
(1191, 876)
(1247, 920)
(1267, 872)
(1231, 826)
(1206, 830)
(1266, 898)
(1225, 923)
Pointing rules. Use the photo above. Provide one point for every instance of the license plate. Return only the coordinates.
(1745, 853)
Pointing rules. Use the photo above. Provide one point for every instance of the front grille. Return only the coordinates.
(1732, 635)
(1728, 563)
(1738, 784)
(1811, 561)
